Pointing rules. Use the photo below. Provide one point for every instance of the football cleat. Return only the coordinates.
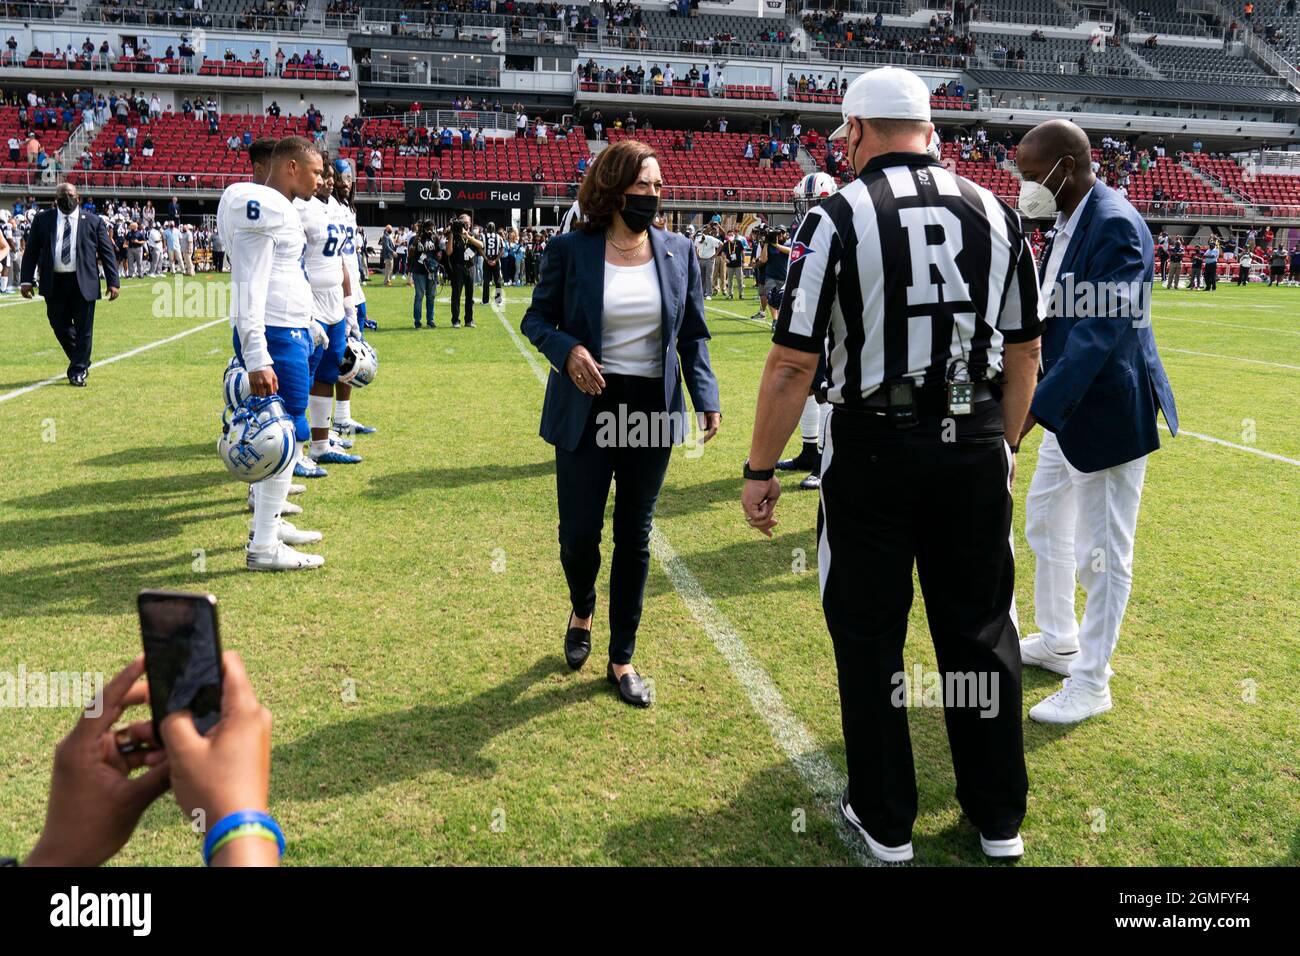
(351, 428)
(334, 456)
(305, 468)
(811, 483)
(290, 535)
(282, 558)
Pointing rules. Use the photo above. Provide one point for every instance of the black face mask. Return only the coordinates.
(66, 204)
(639, 210)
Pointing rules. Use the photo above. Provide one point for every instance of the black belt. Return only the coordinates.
(930, 400)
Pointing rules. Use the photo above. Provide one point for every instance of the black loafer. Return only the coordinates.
(77, 379)
(577, 646)
(630, 687)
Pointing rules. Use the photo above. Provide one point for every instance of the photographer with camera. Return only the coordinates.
(462, 249)
(424, 251)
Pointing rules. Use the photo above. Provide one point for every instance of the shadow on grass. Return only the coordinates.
(758, 826)
(357, 756)
(95, 586)
(153, 454)
(123, 491)
(420, 479)
(115, 526)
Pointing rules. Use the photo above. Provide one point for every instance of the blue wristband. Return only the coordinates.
(238, 819)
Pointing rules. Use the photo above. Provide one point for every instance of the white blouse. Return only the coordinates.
(632, 340)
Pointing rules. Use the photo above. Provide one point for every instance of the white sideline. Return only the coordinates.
(1231, 358)
(1227, 444)
(1227, 325)
(115, 358)
(789, 733)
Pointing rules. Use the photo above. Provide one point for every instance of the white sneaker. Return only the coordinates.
(283, 558)
(1071, 704)
(885, 854)
(1034, 651)
(297, 489)
(1003, 849)
(291, 535)
(289, 507)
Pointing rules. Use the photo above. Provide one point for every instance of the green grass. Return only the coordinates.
(443, 601)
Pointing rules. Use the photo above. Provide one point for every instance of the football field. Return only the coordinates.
(423, 710)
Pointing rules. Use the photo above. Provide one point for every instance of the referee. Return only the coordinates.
(493, 247)
(921, 288)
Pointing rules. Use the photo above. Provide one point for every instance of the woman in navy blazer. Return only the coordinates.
(619, 313)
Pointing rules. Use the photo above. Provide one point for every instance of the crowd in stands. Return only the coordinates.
(841, 38)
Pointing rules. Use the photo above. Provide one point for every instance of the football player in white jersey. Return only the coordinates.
(271, 313)
(354, 305)
(808, 193)
(330, 287)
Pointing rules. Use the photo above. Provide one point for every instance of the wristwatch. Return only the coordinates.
(761, 474)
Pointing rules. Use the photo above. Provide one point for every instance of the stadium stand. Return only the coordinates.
(1198, 62)
(1043, 54)
(1280, 194)
(50, 139)
(1045, 13)
(1278, 25)
(503, 159)
(717, 160)
(1171, 18)
(183, 146)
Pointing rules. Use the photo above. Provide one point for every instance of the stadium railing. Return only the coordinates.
(332, 25)
(430, 23)
(731, 91)
(170, 66)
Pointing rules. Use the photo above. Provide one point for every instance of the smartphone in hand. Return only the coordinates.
(182, 656)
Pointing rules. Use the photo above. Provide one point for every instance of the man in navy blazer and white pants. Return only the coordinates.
(1101, 388)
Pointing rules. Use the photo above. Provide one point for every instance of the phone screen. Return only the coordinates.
(182, 656)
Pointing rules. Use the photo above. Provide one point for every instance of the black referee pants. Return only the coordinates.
(462, 285)
(491, 274)
(890, 499)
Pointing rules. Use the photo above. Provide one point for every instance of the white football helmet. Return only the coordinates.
(810, 191)
(935, 146)
(359, 365)
(236, 387)
(258, 441)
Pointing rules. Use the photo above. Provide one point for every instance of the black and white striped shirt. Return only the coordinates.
(905, 271)
(492, 245)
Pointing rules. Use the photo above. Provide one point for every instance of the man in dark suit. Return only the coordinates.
(1101, 389)
(68, 245)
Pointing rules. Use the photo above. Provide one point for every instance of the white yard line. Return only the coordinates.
(1227, 444)
(1227, 325)
(1231, 358)
(115, 358)
(787, 730)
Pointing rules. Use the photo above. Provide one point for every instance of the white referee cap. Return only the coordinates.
(887, 93)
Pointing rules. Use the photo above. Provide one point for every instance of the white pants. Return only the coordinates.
(1084, 522)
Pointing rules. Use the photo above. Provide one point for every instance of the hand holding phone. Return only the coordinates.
(182, 656)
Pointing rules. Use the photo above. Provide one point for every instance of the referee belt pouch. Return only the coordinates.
(903, 405)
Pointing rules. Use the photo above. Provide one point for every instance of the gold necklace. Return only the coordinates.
(631, 251)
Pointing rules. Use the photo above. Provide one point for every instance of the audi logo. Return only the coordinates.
(442, 194)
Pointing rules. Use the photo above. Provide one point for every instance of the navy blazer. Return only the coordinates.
(567, 309)
(1102, 378)
(94, 246)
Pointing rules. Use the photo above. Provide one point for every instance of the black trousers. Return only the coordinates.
(582, 480)
(72, 318)
(890, 499)
(491, 274)
(462, 284)
(1211, 275)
